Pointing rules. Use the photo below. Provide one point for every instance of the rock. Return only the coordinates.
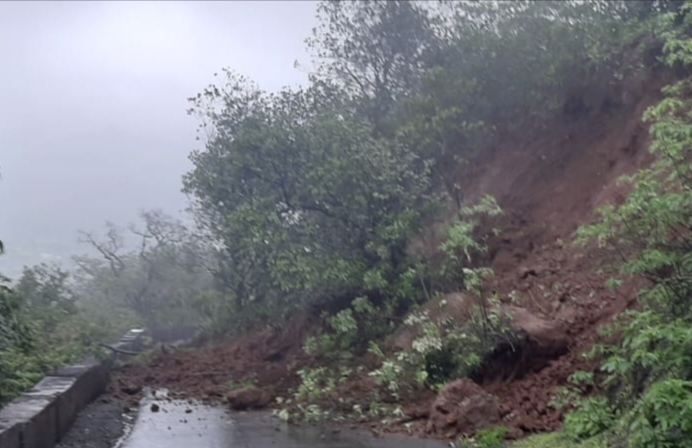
(131, 389)
(548, 334)
(462, 407)
(537, 342)
(248, 398)
(417, 413)
(514, 434)
(525, 272)
(154, 407)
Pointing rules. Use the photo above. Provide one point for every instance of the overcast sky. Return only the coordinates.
(93, 123)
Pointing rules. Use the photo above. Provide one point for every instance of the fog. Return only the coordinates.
(93, 123)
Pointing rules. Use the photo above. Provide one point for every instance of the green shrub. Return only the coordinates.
(486, 438)
(647, 374)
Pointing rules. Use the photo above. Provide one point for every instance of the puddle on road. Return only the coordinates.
(166, 423)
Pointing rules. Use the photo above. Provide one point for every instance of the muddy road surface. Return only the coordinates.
(162, 422)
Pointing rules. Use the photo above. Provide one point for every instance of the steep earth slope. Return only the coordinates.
(548, 179)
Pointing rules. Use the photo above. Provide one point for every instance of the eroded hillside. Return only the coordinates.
(548, 180)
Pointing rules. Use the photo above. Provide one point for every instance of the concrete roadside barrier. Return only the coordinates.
(41, 416)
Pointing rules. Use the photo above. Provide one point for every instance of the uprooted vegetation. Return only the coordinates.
(394, 242)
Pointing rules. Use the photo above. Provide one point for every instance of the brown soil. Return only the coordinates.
(548, 180)
(262, 357)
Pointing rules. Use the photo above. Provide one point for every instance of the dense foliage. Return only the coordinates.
(51, 317)
(647, 376)
(308, 203)
(42, 327)
(313, 195)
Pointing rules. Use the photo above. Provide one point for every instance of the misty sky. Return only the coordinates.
(93, 122)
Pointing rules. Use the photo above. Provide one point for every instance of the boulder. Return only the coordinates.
(462, 407)
(549, 335)
(248, 398)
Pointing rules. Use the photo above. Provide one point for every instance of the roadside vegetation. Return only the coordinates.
(318, 199)
(644, 380)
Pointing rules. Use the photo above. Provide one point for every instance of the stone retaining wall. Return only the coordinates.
(40, 417)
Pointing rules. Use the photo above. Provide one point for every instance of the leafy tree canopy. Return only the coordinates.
(307, 201)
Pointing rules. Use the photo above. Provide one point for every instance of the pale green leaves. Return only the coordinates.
(651, 368)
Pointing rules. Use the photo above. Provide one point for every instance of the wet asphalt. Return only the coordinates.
(163, 423)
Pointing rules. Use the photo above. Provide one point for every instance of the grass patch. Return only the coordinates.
(558, 440)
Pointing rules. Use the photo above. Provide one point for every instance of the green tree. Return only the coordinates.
(441, 76)
(527, 56)
(17, 371)
(13, 330)
(159, 281)
(306, 202)
(378, 51)
(47, 299)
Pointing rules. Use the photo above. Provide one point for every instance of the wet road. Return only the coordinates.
(179, 424)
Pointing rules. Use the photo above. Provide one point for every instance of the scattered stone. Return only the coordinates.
(155, 407)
